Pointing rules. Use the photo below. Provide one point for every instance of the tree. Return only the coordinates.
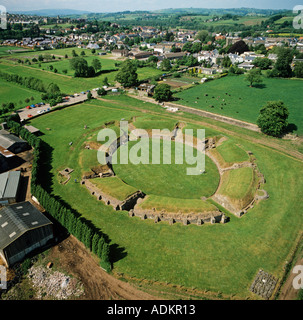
(101, 92)
(89, 96)
(80, 66)
(95, 241)
(165, 65)
(202, 35)
(100, 245)
(96, 64)
(262, 63)
(74, 54)
(162, 92)
(105, 81)
(273, 118)
(282, 66)
(298, 70)
(254, 76)
(226, 62)
(238, 47)
(127, 75)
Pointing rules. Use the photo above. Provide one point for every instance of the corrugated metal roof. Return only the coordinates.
(7, 140)
(9, 182)
(17, 219)
(12, 184)
(3, 182)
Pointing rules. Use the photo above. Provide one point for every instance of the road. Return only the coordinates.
(34, 112)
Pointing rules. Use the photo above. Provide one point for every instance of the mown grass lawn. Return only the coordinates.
(220, 258)
(176, 204)
(243, 102)
(114, 187)
(167, 178)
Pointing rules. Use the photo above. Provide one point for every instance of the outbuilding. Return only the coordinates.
(9, 187)
(11, 142)
(23, 228)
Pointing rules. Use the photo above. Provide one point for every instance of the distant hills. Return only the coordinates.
(52, 12)
(206, 11)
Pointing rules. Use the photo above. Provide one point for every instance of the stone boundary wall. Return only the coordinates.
(126, 204)
(173, 217)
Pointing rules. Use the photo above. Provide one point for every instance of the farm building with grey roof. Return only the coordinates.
(23, 228)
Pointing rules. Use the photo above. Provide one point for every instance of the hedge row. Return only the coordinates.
(28, 82)
(81, 228)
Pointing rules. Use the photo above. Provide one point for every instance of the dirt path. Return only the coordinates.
(73, 257)
(288, 292)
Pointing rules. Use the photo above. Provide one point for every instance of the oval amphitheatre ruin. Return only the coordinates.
(135, 200)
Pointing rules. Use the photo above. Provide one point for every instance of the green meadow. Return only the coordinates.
(231, 96)
(222, 259)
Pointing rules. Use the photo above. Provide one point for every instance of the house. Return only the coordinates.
(174, 55)
(142, 55)
(23, 228)
(9, 187)
(246, 65)
(208, 71)
(120, 53)
(146, 88)
(93, 46)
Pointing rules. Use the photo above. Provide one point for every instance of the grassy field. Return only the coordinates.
(242, 102)
(67, 83)
(10, 92)
(232, 153)
(169, 180)
(219, 258)
(114, 187)
(237, 183)
(175, 204)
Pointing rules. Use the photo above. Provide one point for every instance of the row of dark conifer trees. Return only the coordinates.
(76, 225)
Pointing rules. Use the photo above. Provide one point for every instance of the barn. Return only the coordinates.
(11, 142)
(23, 229)
(9, 187)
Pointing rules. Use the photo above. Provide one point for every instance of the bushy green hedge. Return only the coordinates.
(78, 226)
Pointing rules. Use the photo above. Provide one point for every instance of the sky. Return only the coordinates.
(123, 5)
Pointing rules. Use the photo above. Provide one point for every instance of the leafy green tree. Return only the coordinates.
(96, 64)
(298, 70)
(101, 92)
(226, 62)
(127, 75)
(273, 118)
(105, 81)
(202, 35)
(162, 92)
(254, 76)
(282, 66)
(262, 63)
(165, 65)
